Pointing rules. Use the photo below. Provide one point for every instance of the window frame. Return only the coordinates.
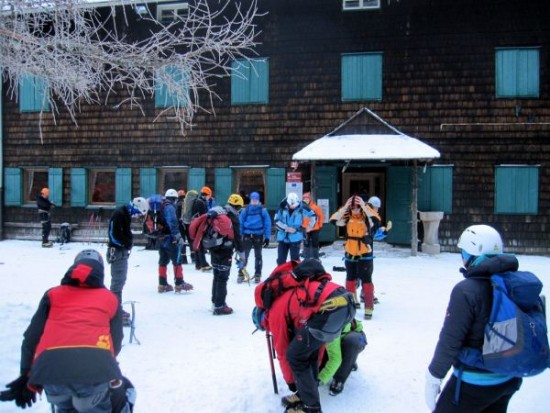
(370, 88)
(238, 174)
(518, 57)
(91, 187)
(28, 197)
(176, 8)
(346, 5)
(161, 177)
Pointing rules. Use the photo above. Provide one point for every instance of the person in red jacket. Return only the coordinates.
(71, 344)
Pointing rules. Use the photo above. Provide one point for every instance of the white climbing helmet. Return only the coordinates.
(375, 201)
(480, 240)
(171, 193)
(141, 204)
(292, 200)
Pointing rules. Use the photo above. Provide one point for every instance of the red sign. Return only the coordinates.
(294, 177)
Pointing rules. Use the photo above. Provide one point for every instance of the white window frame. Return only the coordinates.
(176, 9)
(360, 4)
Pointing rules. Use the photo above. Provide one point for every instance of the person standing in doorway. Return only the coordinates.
(44, 206)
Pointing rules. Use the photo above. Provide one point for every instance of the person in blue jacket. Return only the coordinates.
(288, 221)
(256, 232)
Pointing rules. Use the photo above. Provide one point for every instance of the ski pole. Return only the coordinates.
(272, 356)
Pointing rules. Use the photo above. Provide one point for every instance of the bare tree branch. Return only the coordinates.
(84, 55)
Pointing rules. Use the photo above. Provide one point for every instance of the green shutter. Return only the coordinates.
(33, 94)
(12, 186)
(516, 189)
(196, 178)
(163, 98)
(435, 189)
(528, 73)
(55, 183)
(223, 184)
(326, 188)
(123, 185)
(79, 187)
(276, 182)
(517, 72)
(147, 182)
(398, 204)
(250, 81)
(362, 76)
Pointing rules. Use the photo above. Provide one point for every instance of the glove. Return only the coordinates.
(179, 240)
(258, 318)
(431, 390)
(266, 243)
(291, 230)
(292, 387)
(18, 391)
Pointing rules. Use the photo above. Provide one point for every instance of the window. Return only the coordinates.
(435, 189)
(172, 178)
(168, 92)
(33, 181)
(250, 81)
(516, 189)
(33, 94)
(102, 186)
(362, 76)
(360, 4)
(517, 73)
(251, 180)
(168, 13)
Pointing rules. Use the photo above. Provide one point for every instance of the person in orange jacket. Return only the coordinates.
(311, 239)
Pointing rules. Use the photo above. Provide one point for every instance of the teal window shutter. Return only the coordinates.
(123, 186)
(516, 189)
(435, 189)
(196, 178)
(33, 94)
(250, 81)
(276, 184)
(79, 187)
(517, 73)
(223, 184)
(147, 182)
(12, 186)
(163, 97)
(362, 76)
(55, 183)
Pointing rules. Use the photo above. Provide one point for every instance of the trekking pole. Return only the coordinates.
(272, 356)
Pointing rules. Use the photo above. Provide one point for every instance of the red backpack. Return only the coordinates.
(212, 232)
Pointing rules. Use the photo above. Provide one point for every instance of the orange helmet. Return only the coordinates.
(206, 191)
(45, 192)
(181, 193)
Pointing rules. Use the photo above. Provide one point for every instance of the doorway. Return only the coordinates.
(364, 183)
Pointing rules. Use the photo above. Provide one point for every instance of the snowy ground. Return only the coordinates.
(190, 361)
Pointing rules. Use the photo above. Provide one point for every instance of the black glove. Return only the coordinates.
(292, 387)
(266, 243)
(19, 392)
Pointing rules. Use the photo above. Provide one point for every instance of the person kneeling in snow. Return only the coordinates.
(69, 349)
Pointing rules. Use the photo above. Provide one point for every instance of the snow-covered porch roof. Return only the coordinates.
(366, 136)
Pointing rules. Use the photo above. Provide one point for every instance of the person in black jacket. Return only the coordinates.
(200, 206)
(121, 242)
(69, 349)
(44, 206)
(470, 390)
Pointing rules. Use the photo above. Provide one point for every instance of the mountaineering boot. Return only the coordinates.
(257, 278)
(302, 408)
(240, 277)
(223, 310)
(165, 288)
(206, 268)
(336, 387)
(183, 286)
(368, 313)
(291, 400)
(47, 244)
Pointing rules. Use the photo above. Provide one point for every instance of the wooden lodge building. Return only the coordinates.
(468, 79)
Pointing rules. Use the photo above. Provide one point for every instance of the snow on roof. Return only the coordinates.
(365, 147)
(365, 136)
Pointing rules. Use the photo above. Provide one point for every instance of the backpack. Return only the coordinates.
(212, 231)
(64, 233)
(187, 207)
(155, 225)
(516, 341)
(326, 314)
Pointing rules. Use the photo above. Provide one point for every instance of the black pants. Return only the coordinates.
(311, 244)
(254, 241)
(303, 357)
(352, 344)
(476, 399)
(46, 225)
(221, 263)
(284, 248)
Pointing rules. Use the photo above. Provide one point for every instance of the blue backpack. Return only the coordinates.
(516, 340)
(154, 225)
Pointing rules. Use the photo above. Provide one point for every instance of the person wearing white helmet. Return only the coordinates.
(470, 389)
(288, 221)
(121, 242)
(170, 247)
